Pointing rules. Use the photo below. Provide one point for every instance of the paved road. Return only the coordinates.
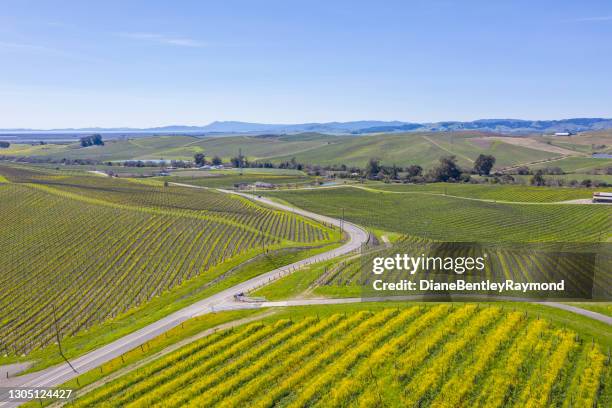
(224, 300)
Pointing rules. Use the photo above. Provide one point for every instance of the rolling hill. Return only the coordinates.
(422, 148)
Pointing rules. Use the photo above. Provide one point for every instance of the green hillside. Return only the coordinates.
(423, 149)
(576, 164)
(312, 148)
(178, 147)
(92, 247)
(448, 218)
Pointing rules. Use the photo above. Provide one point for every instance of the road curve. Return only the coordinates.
(59, 374)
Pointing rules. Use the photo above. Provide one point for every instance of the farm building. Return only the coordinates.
(599, 197)
(562, 134)
(602, 156)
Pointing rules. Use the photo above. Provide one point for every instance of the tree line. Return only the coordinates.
(447, 170)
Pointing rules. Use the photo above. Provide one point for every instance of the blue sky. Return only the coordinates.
(151, 63)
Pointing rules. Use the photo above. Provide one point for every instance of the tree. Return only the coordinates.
(447, 170)
(538, 179)
(522, 171)
(200, 159)
(413, 171)
(216, 161)
(394, 173)
(5, 145)
(372, 168)
(92, 140)
(97, 140)
(483, 164)
(239, 161)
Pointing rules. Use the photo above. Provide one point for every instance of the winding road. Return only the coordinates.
(224, 300)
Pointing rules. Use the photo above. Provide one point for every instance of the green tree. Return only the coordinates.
(483, 164)
(447, 170)
(216, 161)
(200, 159)
(372, 168)
(538, 179)
(413, 171)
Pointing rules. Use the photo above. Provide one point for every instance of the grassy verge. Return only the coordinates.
(605, 308)
(295, 284)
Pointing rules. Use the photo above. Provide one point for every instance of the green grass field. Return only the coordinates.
(504, 193)
(94, 247)
(441, 355)
(456, 219)
(580, 165)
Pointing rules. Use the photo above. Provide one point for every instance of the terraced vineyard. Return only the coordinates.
(92, 247)
(494, 192)
(451, 219)
(443, 356)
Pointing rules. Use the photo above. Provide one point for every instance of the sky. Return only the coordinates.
(155, 63)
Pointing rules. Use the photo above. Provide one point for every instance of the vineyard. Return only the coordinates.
(495, 192)
(587, 269)
(82, 249)
(442, 355)
(451, 219)
(229, 181)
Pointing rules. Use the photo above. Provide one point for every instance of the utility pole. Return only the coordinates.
(59, 343)
(342, 222)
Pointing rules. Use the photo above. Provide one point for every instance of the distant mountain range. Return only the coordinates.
(508, 126)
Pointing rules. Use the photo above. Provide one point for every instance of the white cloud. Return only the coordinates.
(586, 19)
(164, 39)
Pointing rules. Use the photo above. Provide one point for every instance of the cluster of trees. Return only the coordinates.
(447, 170)
(93, 140)
(525, 171)
(291, 164)
(5, 145)
(200, 160)
(179, 164)
(242, 161)
(538, 180)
